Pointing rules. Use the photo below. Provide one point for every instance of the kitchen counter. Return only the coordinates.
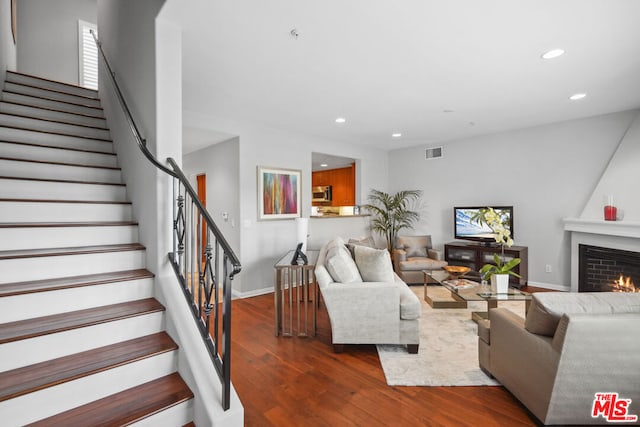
(326, 216)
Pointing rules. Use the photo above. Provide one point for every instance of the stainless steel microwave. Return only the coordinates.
(321, 194)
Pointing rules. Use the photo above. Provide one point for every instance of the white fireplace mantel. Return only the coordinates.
(610, 228)
(624, 235)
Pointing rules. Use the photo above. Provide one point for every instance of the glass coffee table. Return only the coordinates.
(465, 289)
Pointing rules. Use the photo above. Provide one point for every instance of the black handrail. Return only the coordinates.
(197, 245)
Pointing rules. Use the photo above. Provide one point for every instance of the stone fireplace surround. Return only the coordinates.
(623, 235)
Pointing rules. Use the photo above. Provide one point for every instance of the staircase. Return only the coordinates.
(82, 340)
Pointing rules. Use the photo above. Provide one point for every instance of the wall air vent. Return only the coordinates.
(433, 153)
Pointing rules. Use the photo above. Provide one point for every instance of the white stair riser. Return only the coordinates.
(50, 139)
(55, 105)
(53, 400)
(55, 127)
(59, 212)
(17, 168)
(48, 94)
(46, 84)
(17, 354)
(13, 239)
(38, 268)
(38, 304)
(42, 113)
(177, 415)
(24, 189)
(46, 154)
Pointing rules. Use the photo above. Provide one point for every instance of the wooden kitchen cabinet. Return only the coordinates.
(343, 187)
(342, 182)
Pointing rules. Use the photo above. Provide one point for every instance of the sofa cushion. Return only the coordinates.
(364, 241)
(410, 307)
(414, 246)
(419, 264)
(341, 266)
(374, 264)
(548, 307)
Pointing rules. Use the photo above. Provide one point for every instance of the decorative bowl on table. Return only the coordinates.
(456, 271)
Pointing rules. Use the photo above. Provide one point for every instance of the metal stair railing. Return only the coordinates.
(202, 259)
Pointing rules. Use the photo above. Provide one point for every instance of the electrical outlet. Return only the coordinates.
(547, 268)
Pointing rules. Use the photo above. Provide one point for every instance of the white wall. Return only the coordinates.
(547, 173)
(620, 180)
(221, 164)
(48, 37)
(127, 33)
(262, 243)
(7, 47)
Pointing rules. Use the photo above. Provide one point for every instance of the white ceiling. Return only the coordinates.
(396, 66)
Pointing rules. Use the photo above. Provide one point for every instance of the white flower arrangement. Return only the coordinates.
(502, 235)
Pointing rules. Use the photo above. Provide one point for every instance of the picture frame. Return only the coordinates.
(279, 193)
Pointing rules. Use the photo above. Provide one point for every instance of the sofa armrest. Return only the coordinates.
(399, 255)
(435, 254)
(523, 362)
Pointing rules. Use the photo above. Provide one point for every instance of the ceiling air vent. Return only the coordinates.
(433, 153)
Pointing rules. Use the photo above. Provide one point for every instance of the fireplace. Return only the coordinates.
(603, 269)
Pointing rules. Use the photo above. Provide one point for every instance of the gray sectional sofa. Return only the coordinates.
(366, 301)
(570, 347)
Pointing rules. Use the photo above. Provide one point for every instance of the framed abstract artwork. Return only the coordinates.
(278, 193)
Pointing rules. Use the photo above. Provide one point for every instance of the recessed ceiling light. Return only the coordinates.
(396, 135)
(323, 165)
(553, 53)
(341, 120)
(577, 96)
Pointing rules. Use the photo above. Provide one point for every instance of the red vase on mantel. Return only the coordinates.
(610, 211)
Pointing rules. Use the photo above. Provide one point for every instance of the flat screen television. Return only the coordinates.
(466, 229)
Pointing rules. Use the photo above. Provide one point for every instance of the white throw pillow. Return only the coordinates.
(374, 264)
(341, 266)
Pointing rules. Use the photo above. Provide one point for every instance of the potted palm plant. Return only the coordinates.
(392, 213)
(500, 271)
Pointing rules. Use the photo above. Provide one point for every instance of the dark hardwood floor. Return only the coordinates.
(302, 382)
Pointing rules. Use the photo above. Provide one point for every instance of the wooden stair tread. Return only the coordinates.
(52, 99)
(81, 98)
(92, 202)
(66, 224)
(56, 147)
(18, 73)
(18, 288)
(20, 381)
(48, 162)
(68, 181)
(61, 122)
(29, 328)
(39, 107)
(82, 250)
(126, 407)
(93, 138)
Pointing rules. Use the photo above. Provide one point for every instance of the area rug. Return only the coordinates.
(448, 352)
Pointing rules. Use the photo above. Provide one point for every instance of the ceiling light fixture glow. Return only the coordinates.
(577, 96)
(341, 120)
(323, 165)
(553, 53)
(396, 135)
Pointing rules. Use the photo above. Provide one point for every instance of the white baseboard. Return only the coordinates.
(240, 295)
(552, 286)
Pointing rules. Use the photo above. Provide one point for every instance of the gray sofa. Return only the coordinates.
(570, 347)
(366, 301)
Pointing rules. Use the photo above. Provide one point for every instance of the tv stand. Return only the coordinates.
(475, 255)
